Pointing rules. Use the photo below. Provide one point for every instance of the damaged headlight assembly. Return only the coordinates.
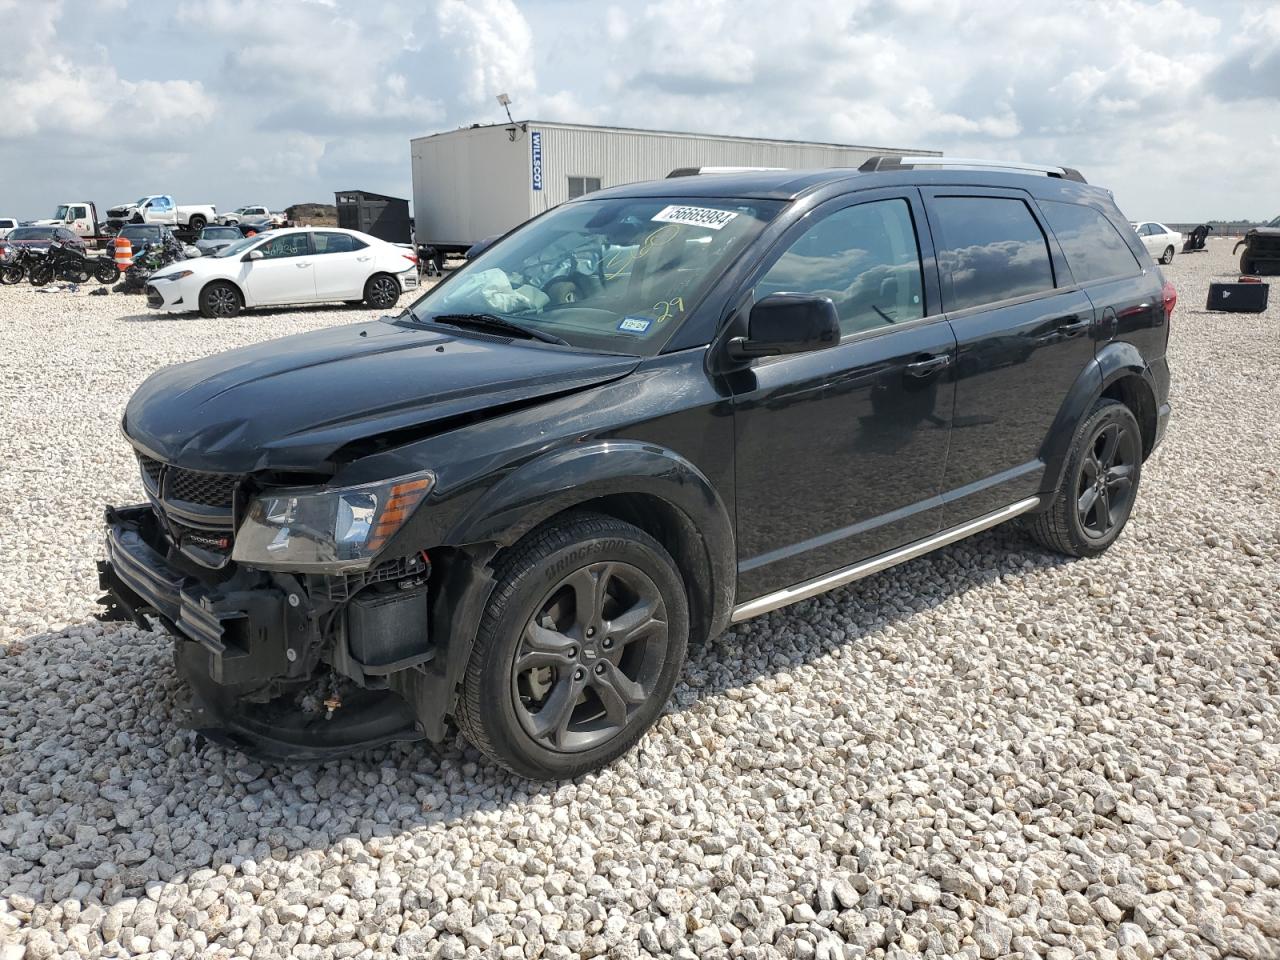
(327, 530)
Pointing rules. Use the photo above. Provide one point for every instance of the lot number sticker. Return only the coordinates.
(707, 217)
(635, 324)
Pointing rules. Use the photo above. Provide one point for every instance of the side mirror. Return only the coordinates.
(479, 247)
(788, 323)
(253, 255)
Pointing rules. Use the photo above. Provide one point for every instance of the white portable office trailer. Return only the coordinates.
(473, 183)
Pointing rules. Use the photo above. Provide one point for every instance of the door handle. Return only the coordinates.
(929, 365)
(300, 265)
(1070, 326)
(364, 259)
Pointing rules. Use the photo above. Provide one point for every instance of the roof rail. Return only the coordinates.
(695, 171)
(890, 162)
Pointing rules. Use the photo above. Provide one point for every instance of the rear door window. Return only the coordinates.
(336, 243)
(989, 249)
(1094, 247)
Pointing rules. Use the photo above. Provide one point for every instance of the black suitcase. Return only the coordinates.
(1238, 297)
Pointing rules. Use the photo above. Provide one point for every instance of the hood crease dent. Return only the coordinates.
(290, 404)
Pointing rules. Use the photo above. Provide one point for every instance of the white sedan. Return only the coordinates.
(299, 265)
(1160, 241)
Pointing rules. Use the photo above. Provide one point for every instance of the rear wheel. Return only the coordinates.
(197, 223)
(1247, 266)
(578, 651)
(1099, 486)
(39, 274)
(220, 300)
(1168, 255)
(381, 291)
(105, 271)
(11, 274)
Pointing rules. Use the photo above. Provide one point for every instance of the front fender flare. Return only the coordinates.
(574, 475)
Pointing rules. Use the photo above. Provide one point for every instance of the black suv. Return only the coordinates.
(647, 414)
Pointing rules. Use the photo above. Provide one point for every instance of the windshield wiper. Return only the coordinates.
(491, 321)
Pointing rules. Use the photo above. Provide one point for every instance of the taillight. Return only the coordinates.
(1169, 296)
(410, 257)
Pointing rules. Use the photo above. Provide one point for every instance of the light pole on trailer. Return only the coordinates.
(505, 102)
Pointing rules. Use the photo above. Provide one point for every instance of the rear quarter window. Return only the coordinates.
(989, 249)
(1094, 247)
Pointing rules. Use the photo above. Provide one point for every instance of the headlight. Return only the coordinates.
(174, 276)
(327, 530)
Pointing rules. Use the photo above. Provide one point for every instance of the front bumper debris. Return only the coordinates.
(250, 649)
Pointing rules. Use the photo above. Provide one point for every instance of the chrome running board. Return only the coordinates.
(865, 568)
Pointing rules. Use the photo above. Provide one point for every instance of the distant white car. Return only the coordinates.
(298, 265)
(7, 224)
(1160, 241)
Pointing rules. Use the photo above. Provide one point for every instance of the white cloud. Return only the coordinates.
(493, 46)
(1173, 104)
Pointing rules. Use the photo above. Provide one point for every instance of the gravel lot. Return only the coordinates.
(986, 752)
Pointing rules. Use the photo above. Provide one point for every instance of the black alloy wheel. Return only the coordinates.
(39, 274)
(382, 291)
(1098, 486)
(1104, 485)
(12, 273)
(590, 656)
(105, 271)
(581, 643)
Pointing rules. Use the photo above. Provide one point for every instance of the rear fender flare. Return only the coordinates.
(1113, 361)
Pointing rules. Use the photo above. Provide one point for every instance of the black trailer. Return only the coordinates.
(386, 218)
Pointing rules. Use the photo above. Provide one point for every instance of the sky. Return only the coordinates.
(1173, 105)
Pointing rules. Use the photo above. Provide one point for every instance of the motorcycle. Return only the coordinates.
(150, 258)
(17, 265)
(71, 265)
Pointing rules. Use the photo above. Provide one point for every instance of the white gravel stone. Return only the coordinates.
(985, 752)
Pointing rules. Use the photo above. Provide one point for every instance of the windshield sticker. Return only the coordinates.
(707, 217)
(635, 324)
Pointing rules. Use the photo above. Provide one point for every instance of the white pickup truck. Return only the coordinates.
(255, 211)
(160, 208)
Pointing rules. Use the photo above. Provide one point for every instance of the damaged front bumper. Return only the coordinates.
(278, 665)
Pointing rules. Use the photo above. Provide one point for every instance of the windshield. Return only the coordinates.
(219, 233)
(1274, 223)
(63, 210)
(240, 246)
(32, 233)
(614, 274)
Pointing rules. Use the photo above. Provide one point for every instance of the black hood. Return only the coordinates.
(288, 404)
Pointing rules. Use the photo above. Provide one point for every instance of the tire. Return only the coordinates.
(381, 291)
(563, 291)
(197, 223)
(576, 664)
(11, 274)
(220, 301)
(39, 274)
(1168, 255)
(1247, 267)
(1075, 523)
(105, 271)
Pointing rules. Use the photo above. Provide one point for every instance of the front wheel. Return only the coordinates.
(1099, 486)
(105, 271)
(382, 291)
(197, 224)
(578, 651)
(1168, 255)
(220, 301)
(11, 274)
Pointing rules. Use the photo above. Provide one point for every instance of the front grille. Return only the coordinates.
(190, 486)
(196, 509)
